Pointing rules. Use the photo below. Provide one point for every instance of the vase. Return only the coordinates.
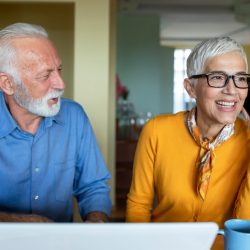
(126, 118)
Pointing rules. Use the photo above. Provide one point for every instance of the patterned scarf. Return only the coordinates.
(206, 156)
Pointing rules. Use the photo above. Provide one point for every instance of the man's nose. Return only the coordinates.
(57, 82)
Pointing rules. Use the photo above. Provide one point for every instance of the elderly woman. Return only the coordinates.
(189, 166)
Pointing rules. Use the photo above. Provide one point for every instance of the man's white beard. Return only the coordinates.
(39, 106)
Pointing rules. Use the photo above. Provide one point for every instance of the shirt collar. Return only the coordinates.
(57, 119)
(8, 124)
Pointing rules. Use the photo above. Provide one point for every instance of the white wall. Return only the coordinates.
(94, 71)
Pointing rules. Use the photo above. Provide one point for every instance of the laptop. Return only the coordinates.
(107, 236)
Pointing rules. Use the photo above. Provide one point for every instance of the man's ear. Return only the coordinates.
(6, 84)
(189, 87)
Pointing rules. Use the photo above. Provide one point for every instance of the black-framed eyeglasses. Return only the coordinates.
(221, 79)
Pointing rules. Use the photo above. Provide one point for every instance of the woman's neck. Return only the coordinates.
(208, 131)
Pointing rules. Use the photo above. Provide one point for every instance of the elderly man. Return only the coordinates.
(48, 152)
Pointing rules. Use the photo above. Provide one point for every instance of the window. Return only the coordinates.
(182, 101)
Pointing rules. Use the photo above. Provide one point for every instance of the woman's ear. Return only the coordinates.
(190, 88)
(6, 84)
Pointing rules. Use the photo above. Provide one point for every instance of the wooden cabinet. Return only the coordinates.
(125, 150)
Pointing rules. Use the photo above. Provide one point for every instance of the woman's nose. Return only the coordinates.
(230, 87)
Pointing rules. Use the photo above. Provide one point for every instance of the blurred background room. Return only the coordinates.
(124, 61)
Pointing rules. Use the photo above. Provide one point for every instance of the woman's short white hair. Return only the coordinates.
(8, 51)
(208, 49)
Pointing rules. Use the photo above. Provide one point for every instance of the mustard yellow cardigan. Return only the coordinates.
(164, 179)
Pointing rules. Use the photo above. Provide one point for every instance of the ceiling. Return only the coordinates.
(184, 22)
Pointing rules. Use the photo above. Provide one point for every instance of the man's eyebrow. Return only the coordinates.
(43, 73)
(48, 70)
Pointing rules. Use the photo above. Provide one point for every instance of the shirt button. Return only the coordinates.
(36, 197)
(37, 169)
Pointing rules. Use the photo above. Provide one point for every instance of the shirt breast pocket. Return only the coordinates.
(64, 180)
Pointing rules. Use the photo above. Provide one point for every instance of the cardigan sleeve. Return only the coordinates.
(242, 204)
(141, 195)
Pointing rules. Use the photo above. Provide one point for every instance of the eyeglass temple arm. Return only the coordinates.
(196, 76)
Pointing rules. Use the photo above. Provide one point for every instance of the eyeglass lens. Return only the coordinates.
(220, 80)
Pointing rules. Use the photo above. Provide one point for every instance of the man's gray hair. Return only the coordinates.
(8, 51)
(208, 49)
(22, 30)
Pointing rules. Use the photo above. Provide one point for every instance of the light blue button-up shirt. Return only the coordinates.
(40, 173)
